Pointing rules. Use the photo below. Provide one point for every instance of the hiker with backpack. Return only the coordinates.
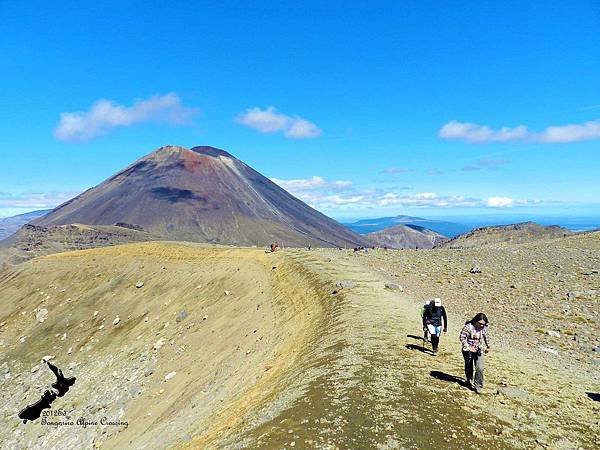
(434, 317)
(472, 337)
(425, 307)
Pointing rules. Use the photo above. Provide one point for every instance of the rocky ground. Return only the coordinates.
(542, 298)
(238, 348)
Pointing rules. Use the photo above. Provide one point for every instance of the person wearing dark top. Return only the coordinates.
(436, 319)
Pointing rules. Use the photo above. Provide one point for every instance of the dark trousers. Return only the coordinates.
(474, 363)
(435, 342)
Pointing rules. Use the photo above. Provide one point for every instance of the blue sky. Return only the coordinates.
(362, 109)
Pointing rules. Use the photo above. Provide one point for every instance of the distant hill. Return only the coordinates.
(33, 240)
(202, 194)
(9, 225)
(406, 236)
(512, 234)
(367, 226)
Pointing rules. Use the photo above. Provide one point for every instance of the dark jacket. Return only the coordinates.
(434, 315)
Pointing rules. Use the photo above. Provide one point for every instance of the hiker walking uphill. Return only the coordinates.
(433, 317)
(472, 337)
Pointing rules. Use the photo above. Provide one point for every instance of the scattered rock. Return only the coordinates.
(158, 344)
(148, 372)
(345, 284)
(553, 333)
(513, 392)
(47, 358)
(393, 286)
(227, 292)
(170, 375)
(134, 390)
(41, 315)
(116, 321)
(549, 350)
(181, 316)
(532, 415)
(205, 317)
(139, 284)
(475, 270)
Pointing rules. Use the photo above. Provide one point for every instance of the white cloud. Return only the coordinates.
(476, 134)
(423, 199)
(307, 184)
(499, 202)
(332, 196)
(105, 115)
(269, 120)
(571, 133)
(394, 170)
(302, 129)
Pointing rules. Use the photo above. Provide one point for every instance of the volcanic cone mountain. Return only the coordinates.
(202, 194)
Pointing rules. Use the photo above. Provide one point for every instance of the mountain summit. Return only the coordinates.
(202, 194)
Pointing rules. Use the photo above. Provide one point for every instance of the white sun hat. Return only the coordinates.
(437, 301)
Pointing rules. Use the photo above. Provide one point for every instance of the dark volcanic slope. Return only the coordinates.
(204, 195)
(514, 234)
(406, 236)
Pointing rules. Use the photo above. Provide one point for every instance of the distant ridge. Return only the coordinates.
(449, 229)
(203, 194)
(406, 236)
(513, 234)
(9, 225)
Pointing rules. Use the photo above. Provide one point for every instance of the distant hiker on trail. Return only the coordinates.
(433, 319)
(274, 247)
(425, 307)
(472, 336)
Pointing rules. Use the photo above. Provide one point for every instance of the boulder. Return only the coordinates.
(513, 392)
(181, 316)
(170, 375)
(345, 284)
(41, 315)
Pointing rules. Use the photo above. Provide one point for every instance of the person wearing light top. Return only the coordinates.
(472, 337)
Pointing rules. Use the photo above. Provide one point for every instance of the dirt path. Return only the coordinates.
(366, 382)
